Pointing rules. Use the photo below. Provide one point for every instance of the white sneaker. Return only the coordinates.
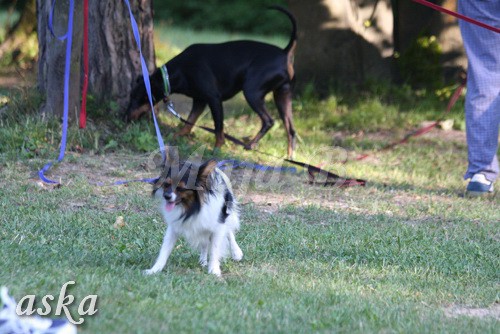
(479, 185)
(11, 323)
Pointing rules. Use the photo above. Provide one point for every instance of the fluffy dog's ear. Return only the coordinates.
(204, 172)
(159, 183)
(171, 160)
(171, 156)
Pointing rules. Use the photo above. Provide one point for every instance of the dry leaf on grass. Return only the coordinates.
(119, 223)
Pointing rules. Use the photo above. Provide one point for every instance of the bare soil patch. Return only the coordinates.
(456, 311)
(16, 78)
(398, 134)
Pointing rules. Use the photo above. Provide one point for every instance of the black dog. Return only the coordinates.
(213, 73)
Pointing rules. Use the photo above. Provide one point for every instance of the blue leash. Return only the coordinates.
(69, 38)
(145, 74)
(242, 164)
(222, 165)
(119, 183)
(147, 83)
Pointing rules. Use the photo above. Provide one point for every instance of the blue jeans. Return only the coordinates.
(482, 101)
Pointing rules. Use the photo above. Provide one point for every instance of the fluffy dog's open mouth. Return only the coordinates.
(170, 205)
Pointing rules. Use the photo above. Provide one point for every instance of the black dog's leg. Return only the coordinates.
(283, 101)
(218, 116)
(196, 111)
(256, 102)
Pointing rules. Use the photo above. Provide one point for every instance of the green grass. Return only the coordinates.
(306, 268)
(395, 256)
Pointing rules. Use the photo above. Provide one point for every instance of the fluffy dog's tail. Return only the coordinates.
(293, 36)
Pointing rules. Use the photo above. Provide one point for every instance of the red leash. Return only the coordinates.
(425, 129)
(83, 108)
(457, 15)
(457, 92)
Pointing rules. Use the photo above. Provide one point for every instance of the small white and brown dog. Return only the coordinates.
(197, 203)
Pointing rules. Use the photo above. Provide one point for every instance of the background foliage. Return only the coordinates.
(240, 16)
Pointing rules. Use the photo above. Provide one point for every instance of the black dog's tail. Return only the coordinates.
(293, 35)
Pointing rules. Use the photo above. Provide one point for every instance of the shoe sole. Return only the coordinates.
(475, 194)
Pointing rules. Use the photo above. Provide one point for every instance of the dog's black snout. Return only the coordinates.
(167, 195)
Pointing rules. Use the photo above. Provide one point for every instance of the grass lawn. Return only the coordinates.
(405, 254)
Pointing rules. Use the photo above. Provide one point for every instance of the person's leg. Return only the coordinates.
(482, 106)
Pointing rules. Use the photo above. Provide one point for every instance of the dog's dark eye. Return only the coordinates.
(182, 189)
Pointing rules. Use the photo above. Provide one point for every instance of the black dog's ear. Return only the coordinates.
(204, 172)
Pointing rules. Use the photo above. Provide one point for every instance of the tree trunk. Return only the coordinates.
(414, 20)
(113, 53)
(114, 62)
(337, 46)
